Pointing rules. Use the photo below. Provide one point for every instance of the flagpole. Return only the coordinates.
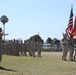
(38, 33)
(72, 5)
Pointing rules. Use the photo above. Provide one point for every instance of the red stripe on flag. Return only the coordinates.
(70, 23)
(74, 29)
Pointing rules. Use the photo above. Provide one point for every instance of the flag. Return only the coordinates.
(70, 24)
(38, 38)
(74, 28)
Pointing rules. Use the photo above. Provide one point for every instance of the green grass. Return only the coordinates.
(49, 64)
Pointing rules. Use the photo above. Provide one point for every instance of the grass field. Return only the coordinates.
(49, 64)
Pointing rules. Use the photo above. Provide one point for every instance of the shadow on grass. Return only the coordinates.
(2, 68)
(71, 60)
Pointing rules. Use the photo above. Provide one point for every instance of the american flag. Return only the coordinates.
(74, 28)
(70, 24)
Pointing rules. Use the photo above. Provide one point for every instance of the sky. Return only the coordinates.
(49, 18)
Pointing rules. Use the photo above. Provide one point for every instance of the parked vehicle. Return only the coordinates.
(46, 46)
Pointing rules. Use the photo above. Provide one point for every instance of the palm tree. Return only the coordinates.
(4, 20)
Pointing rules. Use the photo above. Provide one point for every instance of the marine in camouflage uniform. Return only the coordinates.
(29, 47)
(11, 47)
(21, 47)
(14, 47)
(7, 47)
(33, 48)
(17, 47)
(1, 33)
(71, 49)
(39, 48)
(74, 49)
(25, 48)
(65, 46)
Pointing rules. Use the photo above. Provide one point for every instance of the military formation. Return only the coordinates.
(18, 47)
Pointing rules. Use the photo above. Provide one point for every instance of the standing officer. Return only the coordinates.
(39, 48)
(25, 48)
(71, 49)
(1, 33)
(17, 46)
(65, 47)
(33, 48)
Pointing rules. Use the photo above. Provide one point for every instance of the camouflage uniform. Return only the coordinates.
(0, 48)
(71, 49)
(74, 50)
(17, 48)
(14, 47)
(25, 48)
(29, 47)
(21, 47)
(7, 47)
(1, 33)
(11, 47)
(33, 48)
(65, 47)
(39, 48)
